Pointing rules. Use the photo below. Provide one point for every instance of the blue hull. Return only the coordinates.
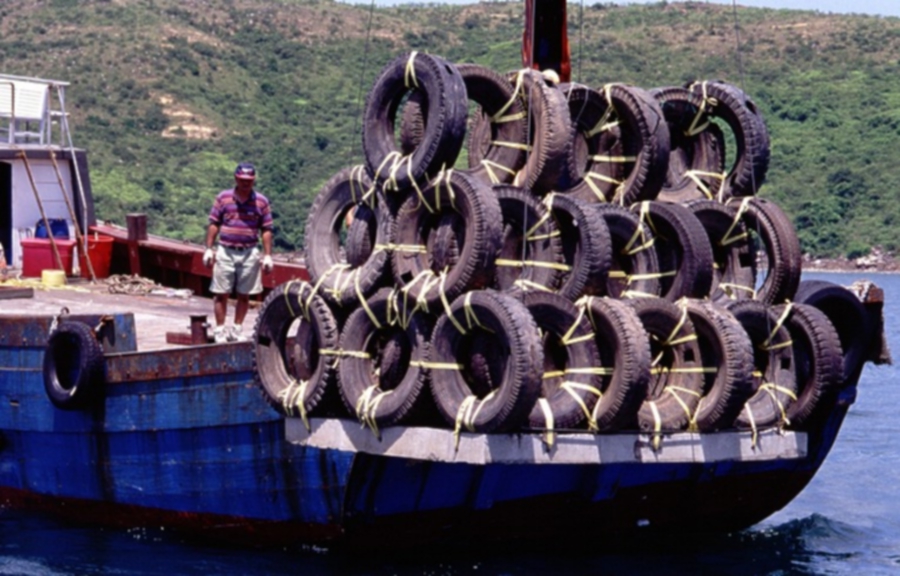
(185, 439)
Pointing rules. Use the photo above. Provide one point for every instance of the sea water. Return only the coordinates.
(847, 521)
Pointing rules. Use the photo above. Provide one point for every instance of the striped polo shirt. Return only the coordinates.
(240, 222)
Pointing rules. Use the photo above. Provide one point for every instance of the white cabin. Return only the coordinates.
(39, 167)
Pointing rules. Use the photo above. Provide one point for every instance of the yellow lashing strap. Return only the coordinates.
(514, 145)
(672, 340)
(605, 122)
(527, 285)
(632, 247)
(406, 248)
(304, 306)
(468, 413)
(590, 178)
(409, 74)
(345, 353)
(727, 238)
(699, 370)
(336, 269)
(767, 344)
(294, 396)
(572, 389)
(367, 407)
(492, 168)
(674, 391)
(443, 178)
(773, 390)
(437, 365)
(613, 159)
(657, 426)
(499, 116)
(701, 120)
(358, 192)
(754, 431)
(549, 423)
(365, 305)
(567, 338)
(698, 175)
(533, 264)
(731, 288)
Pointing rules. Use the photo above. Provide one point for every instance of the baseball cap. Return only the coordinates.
(245, 170)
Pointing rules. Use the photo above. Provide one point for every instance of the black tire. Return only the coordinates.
(628, 163)
(676, 383)
(516, 365)
(734, 260)
(383, 348)
(412, 122)
(443, 243)
(551, 164)
(74, 367)
(596, 150)
(818, 362)
(682, 247)
(531, 255)
(446, 105)
(473, 205)
(294, 382)
(635, 268)
(727, 358)
(570, 387)
(848, 316)
(772, 229)
(361, 235)
(586, 243)
(775, 386)
(624, 348)
(697, 147)
(498, 135)
(339, 281)
(740, 114)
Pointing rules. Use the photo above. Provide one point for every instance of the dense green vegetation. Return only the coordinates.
(169, 94)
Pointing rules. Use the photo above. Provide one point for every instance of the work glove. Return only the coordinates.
(267, 263)
(208, 257)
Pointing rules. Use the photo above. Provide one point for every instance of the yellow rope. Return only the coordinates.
(467, 414)
(657, 425)
(772, 389)
(767, 344)
(532, 263)
(527, 285)
(293, 396)
(727, 238)
(549, 435)
(410, 71)
(696, 176)
(491, 167)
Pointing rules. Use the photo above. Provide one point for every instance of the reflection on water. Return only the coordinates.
(847, 521)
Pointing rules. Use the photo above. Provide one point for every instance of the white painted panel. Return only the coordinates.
(25, 210)
(30, 99)
(440, 445)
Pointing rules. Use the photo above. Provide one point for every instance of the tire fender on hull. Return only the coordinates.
(74, 367)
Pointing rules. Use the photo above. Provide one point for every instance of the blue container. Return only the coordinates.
(59, 227)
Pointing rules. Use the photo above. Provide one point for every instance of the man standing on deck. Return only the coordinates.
(237, 218)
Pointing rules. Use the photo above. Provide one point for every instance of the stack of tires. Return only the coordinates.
(595, 264)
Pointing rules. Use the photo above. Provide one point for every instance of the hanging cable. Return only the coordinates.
(359, 94)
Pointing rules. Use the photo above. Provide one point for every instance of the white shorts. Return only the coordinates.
(237, 269)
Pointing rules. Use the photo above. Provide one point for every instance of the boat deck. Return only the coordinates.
(156, 313)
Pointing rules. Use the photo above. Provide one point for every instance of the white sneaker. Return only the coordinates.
(220, 335)
(235, 333)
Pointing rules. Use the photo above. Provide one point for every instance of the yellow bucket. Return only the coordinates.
(53, 278)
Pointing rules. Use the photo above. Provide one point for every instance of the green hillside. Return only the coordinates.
(169, 94)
